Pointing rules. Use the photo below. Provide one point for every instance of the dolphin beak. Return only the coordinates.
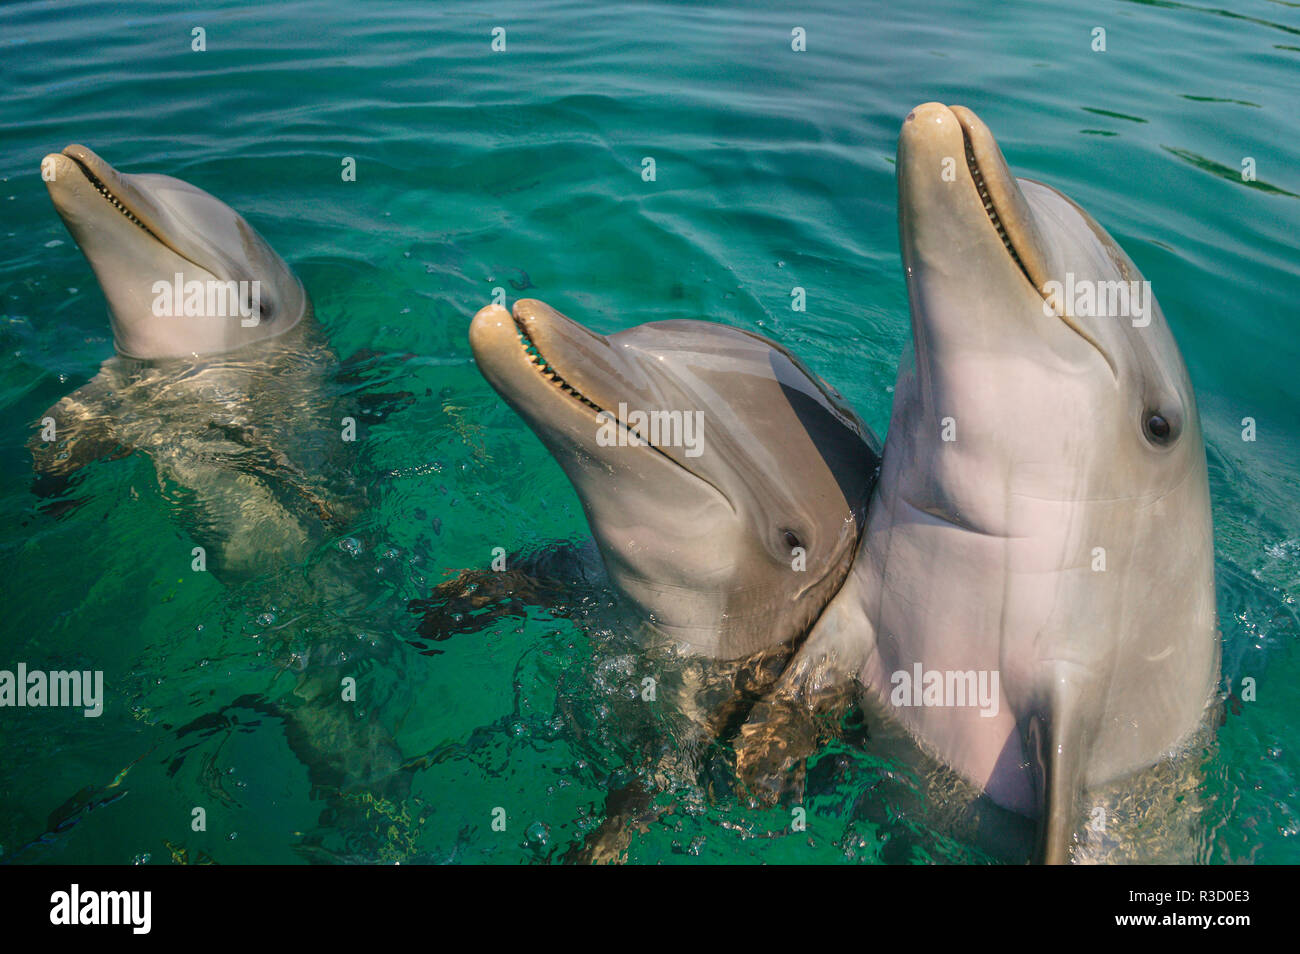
(66, 174)
(537, 356)
(562, 377)
(1004, 202)
(77, 176)
(950, 167)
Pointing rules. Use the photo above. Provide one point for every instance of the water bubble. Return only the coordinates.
(350, 546)
(265, 619)
(538, 835)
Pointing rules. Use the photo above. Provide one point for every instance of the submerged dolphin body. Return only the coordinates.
(1043, 511)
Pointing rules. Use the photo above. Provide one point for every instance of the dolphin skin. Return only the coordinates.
(724, 483)
(225, 381)
(221, 374)
(1042, 518)
(725, 487)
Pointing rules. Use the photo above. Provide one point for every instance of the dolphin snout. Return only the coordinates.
(930, 119)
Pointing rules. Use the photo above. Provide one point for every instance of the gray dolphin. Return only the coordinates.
(229, 388)
(221, 373)
(735, 524)
(725, 486)
(1042, 514)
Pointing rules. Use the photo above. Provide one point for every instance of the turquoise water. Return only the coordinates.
(522, 169)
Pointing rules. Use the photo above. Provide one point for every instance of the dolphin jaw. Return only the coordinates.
(115, 190)
(545, 368)
(933, 131)
(492, 351)
(954, 229)
(113, 199)
(990, 207)
(1004, 204)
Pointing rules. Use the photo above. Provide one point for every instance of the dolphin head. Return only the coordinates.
(140, 232)
(725, 485)
(1048, 424)
(989, 259)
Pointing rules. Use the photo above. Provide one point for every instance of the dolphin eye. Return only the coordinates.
(264, 307)
(1157, 428)
(792, 540)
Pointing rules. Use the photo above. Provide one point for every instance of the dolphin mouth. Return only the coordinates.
(113, 199)
(990, 206)
(1009, 213)
(543, 365)
(546, 368)
(96, 171)
(1004, 203)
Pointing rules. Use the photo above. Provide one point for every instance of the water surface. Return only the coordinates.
(522, 170)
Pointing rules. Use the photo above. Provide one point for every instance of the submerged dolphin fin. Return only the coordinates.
(84, 432)
(1056, 738)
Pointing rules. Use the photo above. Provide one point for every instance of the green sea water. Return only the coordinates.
(522, 169)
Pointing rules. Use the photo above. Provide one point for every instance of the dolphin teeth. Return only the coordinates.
(981, 187)
(544, 367)
(113, 200)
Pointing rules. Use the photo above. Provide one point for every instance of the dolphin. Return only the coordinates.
(220, 375)
(725, 484)
(1042, 517)
(223, 378)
